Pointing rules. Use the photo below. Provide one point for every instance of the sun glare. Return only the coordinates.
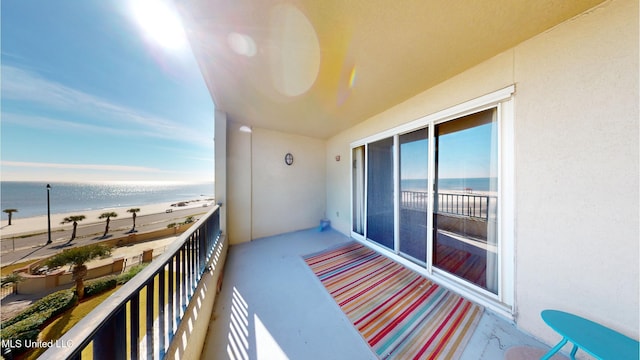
(160, 23)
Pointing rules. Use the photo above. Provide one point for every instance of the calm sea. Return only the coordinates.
(30, 198)
(459, 184)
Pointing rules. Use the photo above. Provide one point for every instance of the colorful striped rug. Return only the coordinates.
(401, 314)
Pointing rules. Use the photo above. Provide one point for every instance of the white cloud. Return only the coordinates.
(37, 171)
(50, 123)
(25, 86)
(101, 167)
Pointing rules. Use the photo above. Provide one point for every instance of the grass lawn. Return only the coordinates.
(7, 270)
(67, 320)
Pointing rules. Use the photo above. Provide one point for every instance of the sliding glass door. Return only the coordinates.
(414, 168)
(380, 192)
(466, 197)
(433, 192)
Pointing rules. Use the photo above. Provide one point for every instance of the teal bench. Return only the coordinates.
(594, 339)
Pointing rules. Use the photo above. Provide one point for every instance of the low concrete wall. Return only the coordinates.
(148, 236)
(113, 268)
(34, 284)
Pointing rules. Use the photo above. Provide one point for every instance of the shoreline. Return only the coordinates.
(39, 223)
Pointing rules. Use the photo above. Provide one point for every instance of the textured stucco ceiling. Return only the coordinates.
(316, 67)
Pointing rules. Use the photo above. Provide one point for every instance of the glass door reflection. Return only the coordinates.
(414, 154)
(465, 200)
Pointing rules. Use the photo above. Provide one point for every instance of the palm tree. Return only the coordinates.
(78, 257)
(10, 213)
(12, 278)
(108, 216)
(74, 219)
(133, 211)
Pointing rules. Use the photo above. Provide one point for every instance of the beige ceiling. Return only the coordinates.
(316, 67)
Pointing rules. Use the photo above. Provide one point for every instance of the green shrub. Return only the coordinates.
(22, 332)
(13, 278)
(96, 287)
(25, 327)
(189, 220)
(123, 278)
(52, 304)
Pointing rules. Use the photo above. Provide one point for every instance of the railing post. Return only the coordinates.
(149, 316)
(183, 279)
(134, 337)
(111, 341)
(161, 312)
(171, 300)
(189, 265)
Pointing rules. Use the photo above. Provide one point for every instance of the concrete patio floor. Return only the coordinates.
(272, 306)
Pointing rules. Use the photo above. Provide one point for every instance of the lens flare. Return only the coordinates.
(160, 23)
(352, 77)
(242, 44)
(294, 51)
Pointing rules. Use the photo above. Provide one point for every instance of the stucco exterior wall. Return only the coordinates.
(577, 170)
(265, 195)
(576, 164)
(238, 177)
(286, 198)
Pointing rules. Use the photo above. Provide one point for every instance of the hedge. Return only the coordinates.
(25, 327)
(123, 278)
(52, 305)
(97, 287)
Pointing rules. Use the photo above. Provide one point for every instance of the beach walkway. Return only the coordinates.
(12, 304)
(26, 239)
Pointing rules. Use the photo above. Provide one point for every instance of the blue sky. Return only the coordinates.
(463, 154)
(89, 94)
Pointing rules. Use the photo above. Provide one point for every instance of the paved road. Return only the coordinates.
(21, 247)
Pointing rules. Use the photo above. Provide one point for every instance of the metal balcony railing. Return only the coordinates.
(140, 319)
(465, 205)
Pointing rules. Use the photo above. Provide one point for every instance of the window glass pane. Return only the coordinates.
(414, 152)
(380, 223)
(465, 202)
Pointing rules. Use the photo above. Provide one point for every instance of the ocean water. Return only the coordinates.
(458, 184)
(30, 198)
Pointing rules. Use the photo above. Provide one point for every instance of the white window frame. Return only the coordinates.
(503, 101)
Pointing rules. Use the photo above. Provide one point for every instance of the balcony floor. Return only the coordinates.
(273, 307)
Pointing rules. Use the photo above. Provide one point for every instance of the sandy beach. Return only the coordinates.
(14, 303)
(39, 223)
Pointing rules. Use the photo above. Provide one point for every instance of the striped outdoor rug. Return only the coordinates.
(401, 314)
